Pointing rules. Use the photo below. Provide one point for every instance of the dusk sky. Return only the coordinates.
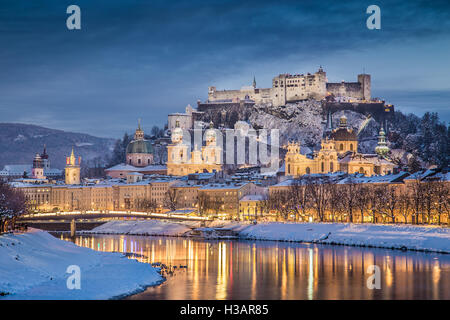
(144, 59)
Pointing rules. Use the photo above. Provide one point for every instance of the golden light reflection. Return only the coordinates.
(389, 275)
(310, 273)
(269, 270)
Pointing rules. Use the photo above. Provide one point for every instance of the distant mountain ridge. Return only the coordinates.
(20, 142)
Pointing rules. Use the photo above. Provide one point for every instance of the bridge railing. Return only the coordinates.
(112, 213)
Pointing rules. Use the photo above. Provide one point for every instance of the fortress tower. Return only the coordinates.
(72, 169)
(364, 80)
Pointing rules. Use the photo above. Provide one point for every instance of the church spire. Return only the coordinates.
(139, 134)
(254, 82)
(329, 121)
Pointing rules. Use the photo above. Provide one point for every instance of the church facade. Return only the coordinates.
(182, 161)
(339, 152)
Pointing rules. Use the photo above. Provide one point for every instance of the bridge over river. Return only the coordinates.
(87, 220)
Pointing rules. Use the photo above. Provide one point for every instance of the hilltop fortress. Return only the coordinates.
(292, 88)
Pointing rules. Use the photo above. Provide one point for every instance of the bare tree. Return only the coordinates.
(146, 205)
(297, 198)
(404, 205)
(442, 200)
(335, 202)
(349, 200)
(12, 204)
(170, 200)
(208, 203)
(319, 191)
(203, 203)
(416, 196)
(389, 201)
(280, 202)
(362, 195)
(373, 202)
(428, 201)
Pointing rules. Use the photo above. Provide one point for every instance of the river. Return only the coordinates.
(279, 270)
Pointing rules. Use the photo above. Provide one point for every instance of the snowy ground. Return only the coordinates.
(144, 227)
(384, 236)
(33, 266)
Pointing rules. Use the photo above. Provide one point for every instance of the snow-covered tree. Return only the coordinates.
(12, 204)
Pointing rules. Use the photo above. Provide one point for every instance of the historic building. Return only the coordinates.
(139, 158)
(37, 172)
(339, 152)
(114, 195)
(28, 171)
(182, 161)
(344, 138)
(140, 150)
(72, 170)
(290, 88)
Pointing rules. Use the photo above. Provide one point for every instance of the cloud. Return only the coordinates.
(154, 57)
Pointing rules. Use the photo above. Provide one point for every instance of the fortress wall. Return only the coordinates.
(226, 94)
(378, 110)
(348, 89)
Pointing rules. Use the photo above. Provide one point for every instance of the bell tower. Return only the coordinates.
(72, 170)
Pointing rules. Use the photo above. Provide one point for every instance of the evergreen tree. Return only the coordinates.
(120, 150)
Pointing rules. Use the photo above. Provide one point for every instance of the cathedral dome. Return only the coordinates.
(140, 146)
(343, 135)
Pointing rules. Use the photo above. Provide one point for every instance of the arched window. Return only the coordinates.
(139, 161)
(289, 169)
(308, 170)
(341, 147)
(322, 167)
(351, 146)
(361, 170)
(331, 167)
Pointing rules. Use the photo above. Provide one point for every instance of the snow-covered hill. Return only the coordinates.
(20, 142)
(305, 122)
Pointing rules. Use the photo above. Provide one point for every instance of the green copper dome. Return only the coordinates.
(140, 146)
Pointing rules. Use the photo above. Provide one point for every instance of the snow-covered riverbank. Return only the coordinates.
(144, 228)
(33, 266)
(383, 236)
(423, 238)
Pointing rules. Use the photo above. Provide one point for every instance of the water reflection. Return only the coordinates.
(277, 270)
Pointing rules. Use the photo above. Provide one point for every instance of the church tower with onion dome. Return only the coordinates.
(382, 149)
